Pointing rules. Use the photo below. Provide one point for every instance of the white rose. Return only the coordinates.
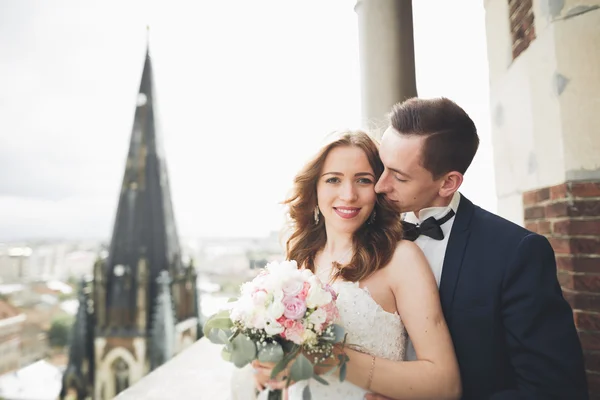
(247, 288)
(258, 320)
(278, 296)
(242, 309)
(292, 286)
(235, 314)
(281, 267)
(273, 283)
(289, 265)
(318, 317)
(275, 310)
(306, 274)
(260, 298)
(273, 327)
(317, 297)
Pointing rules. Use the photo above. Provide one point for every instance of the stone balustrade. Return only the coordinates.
(198, 373)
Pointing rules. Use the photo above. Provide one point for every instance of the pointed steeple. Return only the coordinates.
(144, 227)
(133, 310)
(162, 335)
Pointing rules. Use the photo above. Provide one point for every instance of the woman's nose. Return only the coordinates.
(348, 192)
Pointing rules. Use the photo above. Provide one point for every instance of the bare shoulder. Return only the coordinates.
(408, 259)
(408, 267)
(407, 253)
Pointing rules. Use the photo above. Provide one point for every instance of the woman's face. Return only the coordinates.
(346, 190)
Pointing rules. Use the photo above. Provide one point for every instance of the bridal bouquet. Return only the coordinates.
(284, 315)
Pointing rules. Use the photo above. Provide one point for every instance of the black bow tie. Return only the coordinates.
(430, 227)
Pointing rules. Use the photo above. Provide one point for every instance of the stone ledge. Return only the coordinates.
(197, 373)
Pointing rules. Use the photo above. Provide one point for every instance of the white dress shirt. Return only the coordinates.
(434, 250)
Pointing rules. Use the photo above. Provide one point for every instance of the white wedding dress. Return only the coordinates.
(377, 332)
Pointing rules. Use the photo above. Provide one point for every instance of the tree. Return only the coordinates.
(60, 331)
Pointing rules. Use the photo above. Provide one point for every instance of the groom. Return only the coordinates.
(512, 330)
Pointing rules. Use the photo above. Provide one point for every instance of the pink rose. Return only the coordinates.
(304, 292)
(294, 307)
(289, 323)
(332, 313)
(333, 293)
(294, 333)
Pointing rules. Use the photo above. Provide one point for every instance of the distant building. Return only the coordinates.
(11, 328)
(141, 307)
(34, 344)
(14, 263)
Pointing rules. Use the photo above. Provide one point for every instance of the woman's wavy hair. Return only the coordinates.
(374, 242)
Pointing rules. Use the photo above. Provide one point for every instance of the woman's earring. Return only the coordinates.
(372, 217)
(316, 214)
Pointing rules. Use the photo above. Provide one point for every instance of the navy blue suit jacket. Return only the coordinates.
(512, 329)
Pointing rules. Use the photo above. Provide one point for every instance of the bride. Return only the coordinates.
(348, 235)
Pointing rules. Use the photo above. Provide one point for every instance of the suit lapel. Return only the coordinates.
(459, 235)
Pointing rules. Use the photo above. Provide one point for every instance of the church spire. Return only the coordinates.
(144, 226)
(133, 320)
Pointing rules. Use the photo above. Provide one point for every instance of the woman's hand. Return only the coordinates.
(262, 376)
(263, 370)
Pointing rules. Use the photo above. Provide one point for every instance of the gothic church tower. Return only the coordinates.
(142, 305)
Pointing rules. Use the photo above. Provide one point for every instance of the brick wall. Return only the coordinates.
(522, 28)
(569, 216)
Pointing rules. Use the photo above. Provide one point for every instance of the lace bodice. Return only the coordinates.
(369, 326)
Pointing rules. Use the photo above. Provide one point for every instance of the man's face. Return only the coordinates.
(404, 180)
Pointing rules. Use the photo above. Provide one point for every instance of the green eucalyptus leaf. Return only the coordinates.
(223, 336)
(339, 333)
(244, 351)
(213, 335)
(275, 394)
(272, 352)
(301, 369)
(289, 347)
(219, 323)
(233, 336)
(226, 355)
(343, 372)
(319, 379)
(219, 315)
(306, 393)
(219, 320)
(281, 365)
(219, 336)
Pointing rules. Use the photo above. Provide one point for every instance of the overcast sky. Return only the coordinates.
(246, 91)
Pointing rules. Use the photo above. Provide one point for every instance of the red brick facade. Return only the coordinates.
(569, 216)
(522, 28)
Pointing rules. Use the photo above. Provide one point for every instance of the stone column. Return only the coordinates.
(387, 59)
(544, 87)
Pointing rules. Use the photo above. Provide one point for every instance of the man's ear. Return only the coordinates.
(450, 184)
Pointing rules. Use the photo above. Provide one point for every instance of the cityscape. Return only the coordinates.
(38, 299)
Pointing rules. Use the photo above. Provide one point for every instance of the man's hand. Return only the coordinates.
(374, 396)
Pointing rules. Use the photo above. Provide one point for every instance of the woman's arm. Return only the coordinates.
(435, 373)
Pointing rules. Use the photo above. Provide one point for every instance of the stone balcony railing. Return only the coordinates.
(198, 373)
